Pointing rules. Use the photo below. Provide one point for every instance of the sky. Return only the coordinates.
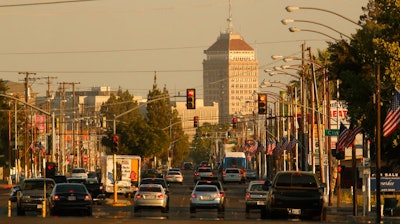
(123, 43)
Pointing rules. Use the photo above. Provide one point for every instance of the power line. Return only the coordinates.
(45, 3)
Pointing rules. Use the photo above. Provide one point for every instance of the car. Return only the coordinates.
(156, 180)
(174, 177)
(13, 193)
(60, 179)
(67, 197)
(151, 196)
(232, 175)
(188, 165)
(95, 189)
(256, 195)
(206, 196)
(79, 180)
(174, 169)
(79, 172)
(218, 184)
(251, 174)
(31, 195)
(202, 173)
(149, 173)
(295, 193)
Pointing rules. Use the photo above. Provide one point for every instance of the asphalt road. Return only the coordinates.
(122, 211)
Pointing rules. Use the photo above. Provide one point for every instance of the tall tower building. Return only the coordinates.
(230, 75)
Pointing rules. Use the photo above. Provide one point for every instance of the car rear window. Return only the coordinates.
(78, 171)
(256, 187)
(232, 171)
(296, 180)
(150, 189)
(204, 170)
(206, 189)
(70, 188)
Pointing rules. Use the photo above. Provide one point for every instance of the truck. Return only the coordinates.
(127, 174)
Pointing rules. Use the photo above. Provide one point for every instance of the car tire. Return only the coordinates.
(247, 209)
(221, 209)
(90, 212)
(263, 213)
(164, 209)
(192, 209)
(20, 211)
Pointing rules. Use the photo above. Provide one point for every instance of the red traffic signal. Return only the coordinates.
(115, 145)
(234, 122)
(262, 103)
(196, 121)
(191, 98)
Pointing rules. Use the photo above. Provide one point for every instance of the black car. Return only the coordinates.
(60, 179)
(67, 197)
(155, 180)
(13, 193)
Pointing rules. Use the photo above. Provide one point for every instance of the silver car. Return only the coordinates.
(256, 195)
(206, 196)
(174, 177)
(151, 196)
(232, 175)
(203, 172)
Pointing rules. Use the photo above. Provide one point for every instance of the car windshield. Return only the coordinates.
(64, 188)
(204, 170)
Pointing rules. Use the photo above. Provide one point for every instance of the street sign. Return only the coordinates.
(332, 132)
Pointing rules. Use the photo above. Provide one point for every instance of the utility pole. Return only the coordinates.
(48, 120)
(27, 86)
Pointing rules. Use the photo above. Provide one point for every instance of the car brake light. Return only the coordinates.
(194, 196)
(160, 196)
(56, 197)
(222, 194)
(247, 195)
(88, 198)
(139, 196)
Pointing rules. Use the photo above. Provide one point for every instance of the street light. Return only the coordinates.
(287, 21)
(295, 8)
(295, 29)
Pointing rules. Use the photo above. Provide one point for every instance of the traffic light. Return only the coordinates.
(190, 99)
(115, 145)
(51, 169)
(196, 121)
(234, 122)
(262, 103)
(228, 134)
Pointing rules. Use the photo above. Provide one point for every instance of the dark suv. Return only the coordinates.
(31, 195)
(294, 193)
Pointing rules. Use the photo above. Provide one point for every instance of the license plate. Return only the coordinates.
(205, 197)
(260, 202)
(71, 198)
(293, 211)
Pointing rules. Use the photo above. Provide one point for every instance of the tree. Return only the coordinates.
(4, 107)
(355, 63)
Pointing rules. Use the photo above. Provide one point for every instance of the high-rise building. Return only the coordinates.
(230, 75)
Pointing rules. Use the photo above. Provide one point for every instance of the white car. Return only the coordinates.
(232, 175)
(206, 196)
(79, 172)
(151, 195)
(174, 177)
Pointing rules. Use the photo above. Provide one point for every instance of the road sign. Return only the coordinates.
(332, 132)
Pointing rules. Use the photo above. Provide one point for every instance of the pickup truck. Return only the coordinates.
(295, 193)
(32, 194)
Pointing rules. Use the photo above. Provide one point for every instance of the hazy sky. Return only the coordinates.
(120, 43)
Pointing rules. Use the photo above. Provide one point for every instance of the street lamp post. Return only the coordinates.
(287, 21)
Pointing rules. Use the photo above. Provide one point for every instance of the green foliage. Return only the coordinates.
(373, 50)
(4, 106)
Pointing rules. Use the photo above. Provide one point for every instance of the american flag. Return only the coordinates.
(251, 147)
(292, 143)
(343, 134)
(271, 145)
(352, 135)
(392, 119)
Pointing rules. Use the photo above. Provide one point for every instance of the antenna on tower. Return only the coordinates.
(230, 25)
